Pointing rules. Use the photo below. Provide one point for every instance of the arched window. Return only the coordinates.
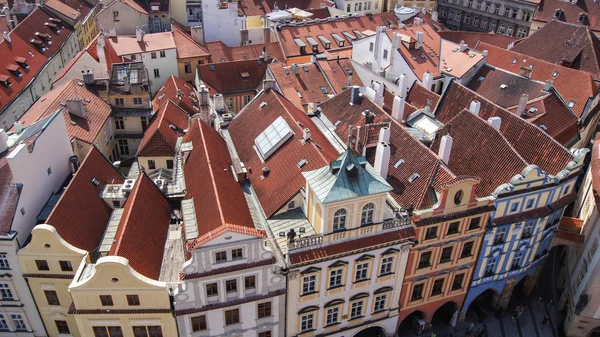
(367, 214)
(339, 219)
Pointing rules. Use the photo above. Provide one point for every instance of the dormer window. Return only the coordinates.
(558, 13)
(5, 80)
(22, 62)
(43, 36)
(13, 68)
(38, 44)
(582, 17)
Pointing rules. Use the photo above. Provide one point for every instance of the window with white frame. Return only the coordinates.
(379, 303)
(229, 102)
(517, 260)
(339, 219)
(333, 315)
(500, 236)
(362, 271)
(527, 230)
(3, 324)
(490, 266)
(386, 265)
(581, 274)
(309, 284)
(592, 251)
(306, 322)
(335, 278)
(18, 322)
(367, 214)
(4, 262)
(5, 293)
(356, 309)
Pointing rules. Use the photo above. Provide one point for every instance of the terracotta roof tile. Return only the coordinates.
(337, 70)
(566, 44)
(420, 97)
(127, 45)
(84, 129)
(220, 52)
(543, 71)
(227, 77)
(263, 7)
(178, 91)
(570, 12)
(35, 22)
(70, 8)
(218, 199)
(228, 269)
(81, 209)
(431, 50)
(185, 45)
(131, 3)
(160, 139)
(472, 39)
(285, 178)
(143, 229)
(306, 87)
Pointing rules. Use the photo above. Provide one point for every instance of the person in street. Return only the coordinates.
(545, 321)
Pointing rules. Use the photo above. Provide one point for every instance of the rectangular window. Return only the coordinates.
(453, 228)
(169, 164)
(229, 102)
(438, 286)
(308, 284)
(247, 98)
(115, 16)
(386, 265)
(106, 300)
(163, 53)
(123, 147)
(119, 102)
(371, 46)
(356, 310)
(379, 303)
(65, 265)
(236, 253)
(231, 286)
(385, 54)
(147, 331)
(156, 73)
(417, 292)
(212, 290)
(527, 230)
(199, 323)
(5, 293)
(332, 316)
(335, 278)
(232, 316)
(153, 55)
(4, 262)
(51, 297)
(424, 260)
(446, 255)
(187, 67)
(306, 322)
(221, 256)
(133, 300)
(431, 233)
(517, 260)
(265, 334)
(151, 164)
(467, 250)
(3, 324)
(457, 282)
(264, 309)
(62, 327)
(18, 322)
(361, 272)
(500, 236)
(137, 101)
(42, 265)
(250, 282)
(474, 223)
(490, 267)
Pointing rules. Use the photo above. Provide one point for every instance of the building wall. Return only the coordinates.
(178, 11)
(160, 22)
(193, 61)
(88, 28)
(166, 66)
(360, 7)
(427, 4)
(48, 246)
(113, 276)
(85, 62)
(238, 100)
(191, 299)
(160, 162)
(128, 20)
(222, 24)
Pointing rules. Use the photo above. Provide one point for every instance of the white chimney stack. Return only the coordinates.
(495, 122)
(398, 108)
(382, 159)
(384, 134)
(427, 80)
(396, 42)
(419, 38)
(18, 127)
(75, 107)
(485, 53)
(112, 32)
(463, 46)
(434, 16)
(219, 102)
(549, 84)
(402, 85)
(7, 37)
(474, 107)
(306, 134)
(522, 104)
(139, 35)
(3, 140)
(445, 148)
(378, 98)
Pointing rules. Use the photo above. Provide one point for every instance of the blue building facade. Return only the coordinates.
(520, 233)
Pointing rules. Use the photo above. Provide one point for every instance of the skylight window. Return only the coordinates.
(532, 110)
(554, 74)
(299, 93)
(287, 72)
(302, 163)
(413, 177)
(481, 78)
(273, 137)
(571, 104)
(324, 90)
(544, 127)
(514, 61)
(305, 69)
(398, 163)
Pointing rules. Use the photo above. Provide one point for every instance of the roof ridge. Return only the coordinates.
(189, 38)
(124, 221)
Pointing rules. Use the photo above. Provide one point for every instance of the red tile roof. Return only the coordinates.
(287, 34)
(81, 209)
(420, 97)
(566, 44)
(263, 7)
(220, 52)
(570, 12)
(285, 178)
(543, 71)
(178, 91)
(227, 77)
(143, 229)
(472, 39)
(35, 22)
(160, 139)
(218, 199)
(336, 70)
(84, 129)
(185, 45)
(71, 8)
(130, 3)
(308, 83)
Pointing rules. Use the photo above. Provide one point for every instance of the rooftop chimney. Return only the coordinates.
(384, 134)
(378, 93)
(495, 122)
(268, 84)
(139, 35)
(112, 32)
(355, 95)
(402, 85)
(419, 38)
(88, 76)
(197, 33)
(398, 108)
(294, 68)
(264, 55)
(474, 107)
(445, 148)
(7, 37)
(219, 102)
(522, 104)
(382, 159)
(75, 107)
(204, 96)
(549, 84)
(126, 84)
(306, 134)
(427, 80)
(18, 127)
(463, 46)
(3, 140)
(350, 78)
(434, 16)
(485, 53)
(396, 42)
(369, 117)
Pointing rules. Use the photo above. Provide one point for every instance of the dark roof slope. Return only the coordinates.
(160, 139)
(570, 12)
(230, 77)
(473, 38)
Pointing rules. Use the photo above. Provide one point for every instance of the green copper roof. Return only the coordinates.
(345, 178)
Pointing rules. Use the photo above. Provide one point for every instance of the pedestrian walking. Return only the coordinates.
(540, 300)
(545, 321)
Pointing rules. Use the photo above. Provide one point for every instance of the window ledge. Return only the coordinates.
(355, 318)
(386, 274)
(306, 331)
(332, 324)
(309, 293)
(361, 281)
(378, 311)
(336, 287)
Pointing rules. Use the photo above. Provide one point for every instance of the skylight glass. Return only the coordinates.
(273, 137)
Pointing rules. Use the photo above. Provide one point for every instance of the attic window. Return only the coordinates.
(455, 50)
(212, 67)
(95, 182)
(554, 74)
(349, 36)
(305, 69)
(13, 68)
(301, 45)
(22, 62)
(503, 86)
(414, 58)
(324, 90)
(222, 60)
(287, 72)
(413, 177)
(5, 80)
(273, 137)
(245, 57)
(422, 56)
(558, 13)
(154, 8)
(398, 163)
(263, 104)
(245, 74)
(299, 93)
(324, 41)
(514, 61)
(532, 110)
(338, 39)
(30, 53)
(302, 163)
(481, 78)
(582, 17)
(544, 127)
(571, 104)
(357, 33)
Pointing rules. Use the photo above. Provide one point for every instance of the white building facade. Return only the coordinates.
(222, 21)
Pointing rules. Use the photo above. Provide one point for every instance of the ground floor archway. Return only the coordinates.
(410, 324)
(373, 331)
(445, 314)
(483, 305)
